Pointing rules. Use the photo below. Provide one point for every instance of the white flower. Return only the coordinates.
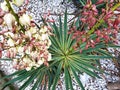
(28, 68)
(15, 61)
(28, 50)
(9, 34)
(116, 12)
(20, 49)
(37, 36)
(9, 20)
(40, 62)
(4, 6)
(33, 30)
(32, 64)
(44, 37)
(18, 2)
(10, 42)
(26, 60)
(28, 33)
(1, 38)
(25, 19)
(43, 30)
(49, 57)
(49, 42)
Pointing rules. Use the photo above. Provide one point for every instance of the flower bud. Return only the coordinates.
(18, 2)
(0, 53)
(33, 30)
(49, 43)
(44, 37)
(43, 30)
(40, 62)
(100, 2)
(49, 57)
(10, 42)
(9, 34)
(1, 21)
(29, 34)
(4, 6)
(28, 68)
(25, 19)
(2, 13)
(26, 60)
(20, 49)
(9, 20)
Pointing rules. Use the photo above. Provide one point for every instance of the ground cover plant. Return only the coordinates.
(41, 53)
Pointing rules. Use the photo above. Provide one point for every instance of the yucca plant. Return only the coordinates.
(66, 59)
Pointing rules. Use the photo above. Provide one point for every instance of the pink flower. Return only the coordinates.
(100, 1)
(0, 53)
(97, 40)
(94, 8)
(1, 21)
(116, 22)
(2, 13)
(26, 2)
(83, 20)
(83, 39)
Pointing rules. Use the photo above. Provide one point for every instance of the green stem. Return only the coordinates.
(116, 6)
(102, 20)
(15, 15)
(12, 11)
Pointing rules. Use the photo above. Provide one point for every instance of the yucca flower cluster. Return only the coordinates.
(98, 26)
(21, 40)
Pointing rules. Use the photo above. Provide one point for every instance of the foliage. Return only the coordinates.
(74, 50)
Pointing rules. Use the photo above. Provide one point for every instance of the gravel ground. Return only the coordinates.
(36, 8)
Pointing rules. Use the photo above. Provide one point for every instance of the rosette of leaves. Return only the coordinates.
(65, 60)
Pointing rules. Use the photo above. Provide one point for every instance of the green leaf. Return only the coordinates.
(104, 52)
(38, 82)
(51, 75)
(19, 78)
(5, 59)
(86, 70)
(98, 46)
(94, 1)
(66, 77)
(113, 46)
(55, 30)
(60, 30)
(55, 42)
(87, 64)
(14, 74)
(65, 30)
(95, 57)
(82, 2)
(57, 76)
(69, 0)
(56, 45)
(76, 77)
(70, 42)
(70, 81)
(33, 75)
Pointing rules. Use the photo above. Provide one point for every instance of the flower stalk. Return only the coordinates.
(102, 20)
(12, 11)
(15, 15)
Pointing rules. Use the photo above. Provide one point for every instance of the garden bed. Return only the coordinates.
(36, 8)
